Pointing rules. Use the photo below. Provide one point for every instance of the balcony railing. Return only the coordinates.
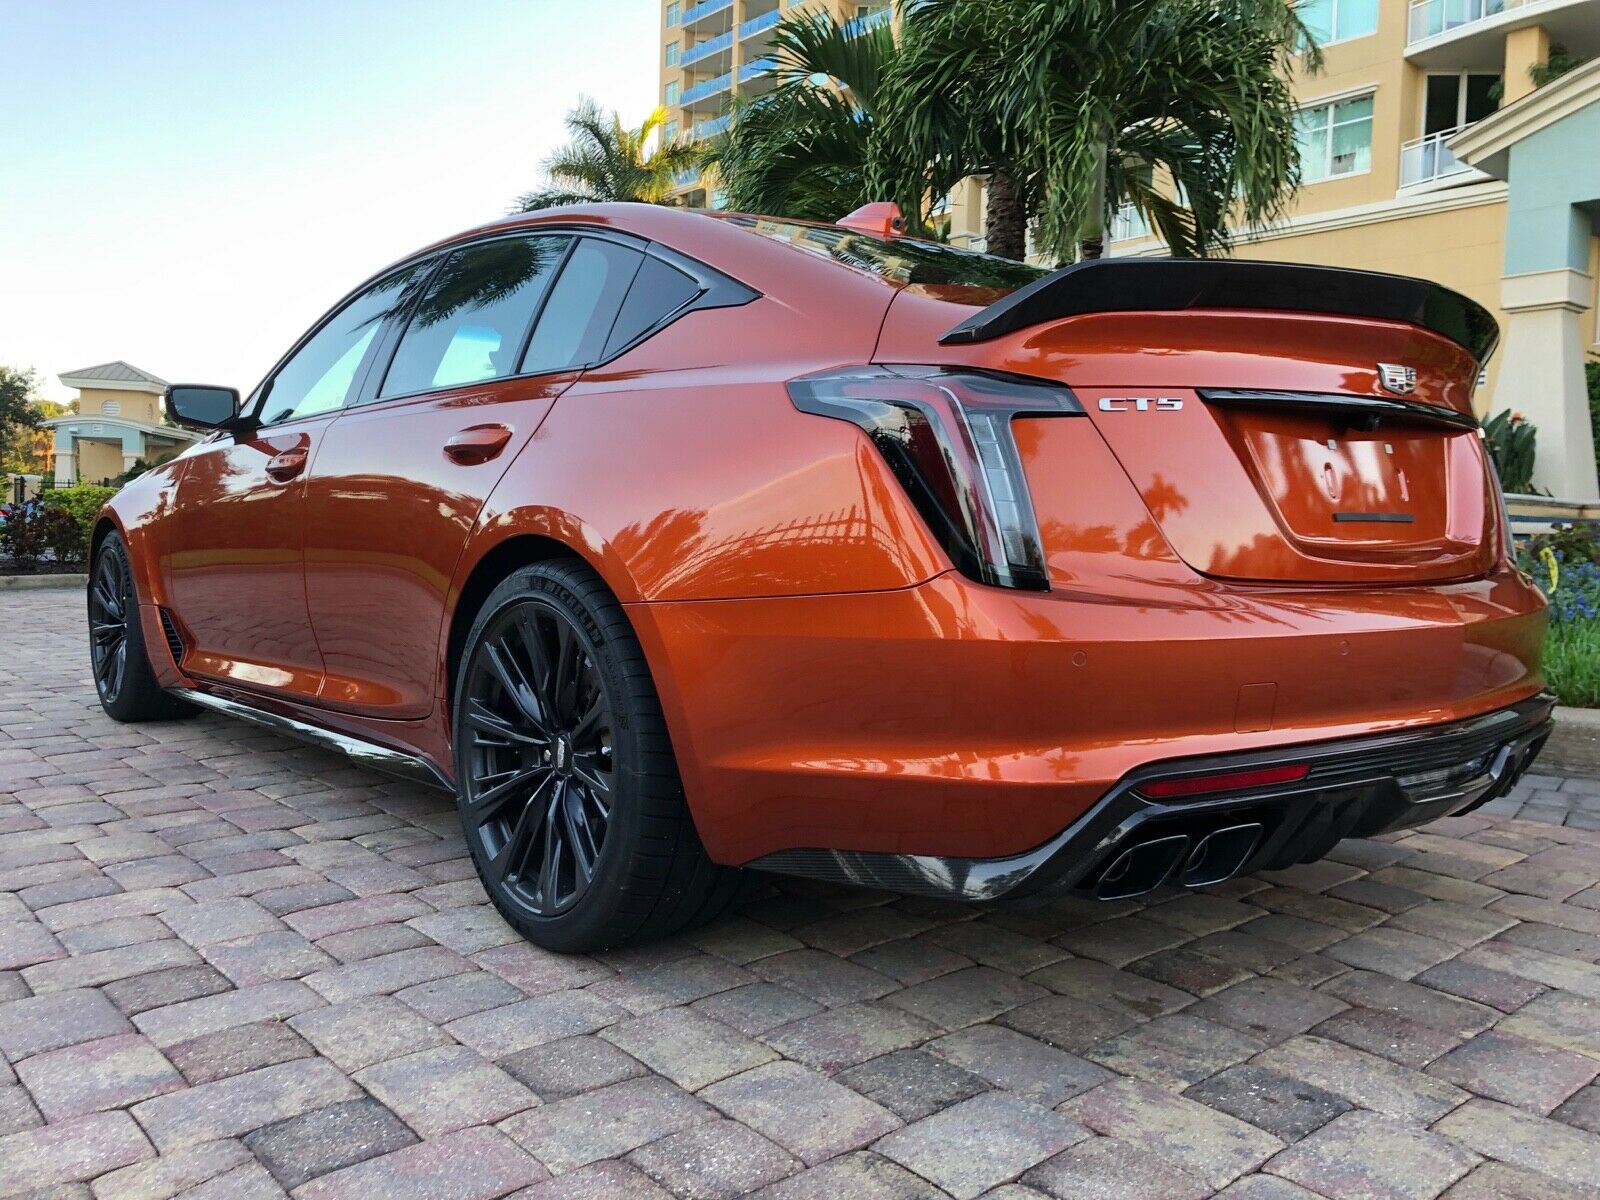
(757, 66)
(707, 48)
(710, 87)
(758, 24)
(871, 21)
(1427, 159)
(705, 129)
(706, 9)
(1430, 18)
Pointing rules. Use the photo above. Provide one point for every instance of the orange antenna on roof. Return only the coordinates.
(880, 220)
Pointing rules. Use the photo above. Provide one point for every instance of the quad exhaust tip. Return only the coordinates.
(1144, 867)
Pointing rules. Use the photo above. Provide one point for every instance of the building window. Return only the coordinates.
(111, 408)
(672, 94)
(1335, 139)
(669, 132)
(672, 54)
(674, 11)
(1339, 20)
(1457, 99)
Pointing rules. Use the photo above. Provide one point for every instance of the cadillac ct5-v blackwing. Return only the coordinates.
(675, 543)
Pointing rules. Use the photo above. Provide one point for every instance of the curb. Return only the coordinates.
(28, 583)
(1574, 745)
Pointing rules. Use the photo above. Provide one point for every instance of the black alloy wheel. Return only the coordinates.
(539, 782)
(110, 609)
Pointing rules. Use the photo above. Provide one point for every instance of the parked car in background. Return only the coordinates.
(675, 543)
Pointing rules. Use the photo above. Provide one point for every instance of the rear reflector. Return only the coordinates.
(1227, 781)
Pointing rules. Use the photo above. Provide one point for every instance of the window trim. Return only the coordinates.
(716, 291)
(1328, 102)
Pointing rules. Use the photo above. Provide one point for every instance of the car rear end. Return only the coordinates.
(1229, 582)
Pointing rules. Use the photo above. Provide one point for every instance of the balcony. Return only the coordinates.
(708, 129)
(720, 44)
(757, 67)
(710, 8)
(1470, 34)
(759, 25)
(706, 90)
(871, 21)
(1426, 162)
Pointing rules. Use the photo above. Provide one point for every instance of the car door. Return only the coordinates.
(236, 577)
(402, 475)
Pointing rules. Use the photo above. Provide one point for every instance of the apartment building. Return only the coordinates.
(714, 50)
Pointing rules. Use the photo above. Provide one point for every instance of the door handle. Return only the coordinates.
(284, 467)
(477, 444)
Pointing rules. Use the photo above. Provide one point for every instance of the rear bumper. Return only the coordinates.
(1352, 788)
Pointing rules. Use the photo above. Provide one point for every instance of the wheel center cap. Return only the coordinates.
(562, 757)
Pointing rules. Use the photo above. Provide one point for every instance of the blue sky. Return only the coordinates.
(188, 184)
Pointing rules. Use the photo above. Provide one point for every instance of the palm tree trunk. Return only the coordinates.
(1005, 222)
(1092, 238)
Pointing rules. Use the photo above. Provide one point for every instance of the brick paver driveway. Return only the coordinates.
(231, 966)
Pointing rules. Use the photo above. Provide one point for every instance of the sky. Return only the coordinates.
(189, 184)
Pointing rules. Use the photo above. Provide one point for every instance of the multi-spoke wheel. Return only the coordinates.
(122, 676)
(564, 772)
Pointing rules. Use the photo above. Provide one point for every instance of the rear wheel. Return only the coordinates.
(123, 678)
(568, 789)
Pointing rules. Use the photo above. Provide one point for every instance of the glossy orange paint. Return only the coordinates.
(829, 679)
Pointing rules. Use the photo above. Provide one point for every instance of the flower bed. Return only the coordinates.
(1566, 566)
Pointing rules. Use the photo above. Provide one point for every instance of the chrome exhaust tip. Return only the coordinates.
(1220, 855)
(1142, 868)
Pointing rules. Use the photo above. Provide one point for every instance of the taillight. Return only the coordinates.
(1225, 781)
(946, 435)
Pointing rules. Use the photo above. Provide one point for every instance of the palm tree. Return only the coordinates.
(605, 161)
(1073, 107)
(802, 149)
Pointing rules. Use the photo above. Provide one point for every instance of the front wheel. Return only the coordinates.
(123, 678)
(566, 781)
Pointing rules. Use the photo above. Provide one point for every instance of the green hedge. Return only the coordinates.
(83, 501)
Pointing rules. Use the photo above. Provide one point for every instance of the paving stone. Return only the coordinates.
(1558, 1019)
(70, 1151)
(805, 1112)
(370, 1030)
(1388, 1035)
(1363, 1078)
(1536, 1143)
(190, 1019)
(234, 1051)
(966, 997)
(1528, 1074)
(572, 1065)
(220, 921)
(1067, 1022)
(1448, 1013)
(36, 1024)
(1268, 1006)
(370, 941)
(1020, 1064)
(1500, 1181)
(610, 1180)
(1367, 1156)
(1176, 1051)
(827, 980)
(1197, 974)
(757, 1007)
(444, 1000)
(1582, 1109)
(912, 1083)
(606, 1123)
(668, 984)
(914, 960)
(89, 1077)
(1212, 1146)
(242, 1103)
(1105, 1168)
(843, 1037)
(860, 1176)
(717, 1160)
(445, 1089)
(1287, 1108)
(547, 1018)
(1108, 987)
(327, 1139)
(474, 1164)
(688, 1048)
(24, 943)
(981, 1142)
(176, 1173)
(158, 989)
(1391, 951)
(1119, 941)
(534, 971)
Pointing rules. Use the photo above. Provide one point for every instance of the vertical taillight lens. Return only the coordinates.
(946, 435)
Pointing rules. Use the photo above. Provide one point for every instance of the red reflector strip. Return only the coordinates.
(1228, 781)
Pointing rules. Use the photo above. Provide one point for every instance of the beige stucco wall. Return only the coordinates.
(99, 460)
(134, 406)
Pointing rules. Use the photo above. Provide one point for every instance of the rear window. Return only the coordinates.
(963, 276)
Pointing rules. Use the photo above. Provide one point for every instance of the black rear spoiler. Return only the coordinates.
(1174, 284)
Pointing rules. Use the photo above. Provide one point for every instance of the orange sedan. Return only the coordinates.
(674, 543)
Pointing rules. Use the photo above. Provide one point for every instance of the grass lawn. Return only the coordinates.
(1572, 662)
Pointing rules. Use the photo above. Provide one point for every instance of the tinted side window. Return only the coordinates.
(470, 324)
(321, 376)
(576, 323)
(658, 291)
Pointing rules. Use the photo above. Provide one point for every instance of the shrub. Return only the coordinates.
(83, 502)
(1510, 437)
(21, 535)
(1569, 543)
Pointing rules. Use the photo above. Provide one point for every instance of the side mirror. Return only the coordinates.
(196, 406)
